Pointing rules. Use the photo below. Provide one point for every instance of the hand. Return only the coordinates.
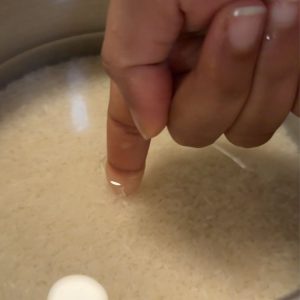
(240, 79)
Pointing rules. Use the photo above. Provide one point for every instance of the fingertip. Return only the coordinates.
(123, 183)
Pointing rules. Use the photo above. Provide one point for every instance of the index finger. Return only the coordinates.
(126, 148)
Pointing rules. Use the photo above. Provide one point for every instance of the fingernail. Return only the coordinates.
(246, 27)
(138, 125)
(123, 183)
(284, 13)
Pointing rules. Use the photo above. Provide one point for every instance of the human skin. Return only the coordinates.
(201, 68)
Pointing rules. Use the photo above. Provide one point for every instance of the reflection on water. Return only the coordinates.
(79, 114)
(234, 158)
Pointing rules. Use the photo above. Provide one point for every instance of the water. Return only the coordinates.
(215, 223)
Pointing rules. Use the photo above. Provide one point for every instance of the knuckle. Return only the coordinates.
(229, 89)
(248, 140)
(127, 128)
(286, 74)
(110, 63)
(190, 140)
(107, 62)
